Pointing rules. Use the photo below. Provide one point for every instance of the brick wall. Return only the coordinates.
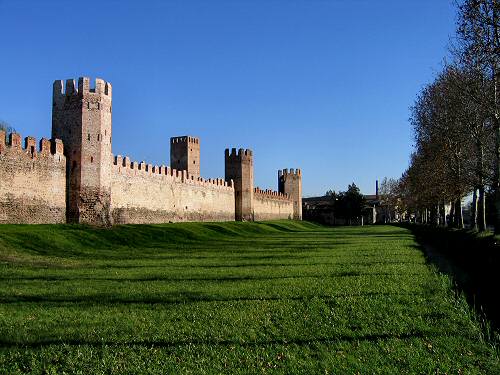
(142, 193)
(270, 205)
(32, 181)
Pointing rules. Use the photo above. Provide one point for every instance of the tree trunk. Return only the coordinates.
(496, 126)
(496, 181)
(435, 215)
(451, 220)
(442, 209)
(481, 210)
(473, 211)
(455, 214)
(459, 219)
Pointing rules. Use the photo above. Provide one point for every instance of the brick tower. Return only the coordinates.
(81, 118)
(239, 168)
(291, 183)
(185, 154)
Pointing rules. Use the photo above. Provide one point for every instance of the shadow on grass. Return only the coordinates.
(210, 279)
(210, 342)
(472, 261)
(193, 297)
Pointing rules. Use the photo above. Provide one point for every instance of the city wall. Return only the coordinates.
(32, 181)
(142, 193)
(82, 182)
(271, 205)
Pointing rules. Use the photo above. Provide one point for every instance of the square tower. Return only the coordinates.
(185, 154)
(290, 182)
(81, 118)
(239, 168)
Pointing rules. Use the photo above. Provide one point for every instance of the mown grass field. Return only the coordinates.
(280, 297)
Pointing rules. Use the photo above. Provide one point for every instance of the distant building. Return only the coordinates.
(322, 210)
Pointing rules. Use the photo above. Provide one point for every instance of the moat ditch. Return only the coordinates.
(472, 261)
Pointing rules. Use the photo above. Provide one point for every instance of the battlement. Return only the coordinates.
(69, 88)
(81, 180)
(240, 154)
(285, 172)
(32, 180)
(270, 194)
(46, 146)
(184, 139)
(125, 166)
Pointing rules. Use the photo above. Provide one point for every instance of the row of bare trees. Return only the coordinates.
(456, 122)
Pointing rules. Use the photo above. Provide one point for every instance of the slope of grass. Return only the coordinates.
(277, 297)
(472, 258)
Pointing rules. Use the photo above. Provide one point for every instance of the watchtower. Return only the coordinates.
(291, 183)
(239, 168)
(185, 154)
(81, 118)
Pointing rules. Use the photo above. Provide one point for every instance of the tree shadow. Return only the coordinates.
(471, 262)
(191, 297)
(211, 342)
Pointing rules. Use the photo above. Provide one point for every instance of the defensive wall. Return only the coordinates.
(32, 181)
(271, 205)
(83, 182)
(143, 193)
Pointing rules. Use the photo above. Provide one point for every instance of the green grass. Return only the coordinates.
(278, 297)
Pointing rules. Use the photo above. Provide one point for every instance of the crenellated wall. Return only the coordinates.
(32, 181)
(143, 193)
(271, 205)
(87, 184)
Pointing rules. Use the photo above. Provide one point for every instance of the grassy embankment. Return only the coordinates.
(279, 297)
(471, 258)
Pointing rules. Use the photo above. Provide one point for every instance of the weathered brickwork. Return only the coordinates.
(239, 168)
(290, 183)
(142, 193)
(83, 182)
(81, 117)
(185, 154)
(271, 205)
(32, 181)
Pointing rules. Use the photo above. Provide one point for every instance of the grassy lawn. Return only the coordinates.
(280, 297)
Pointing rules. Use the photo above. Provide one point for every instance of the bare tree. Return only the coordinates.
(478, 46)
(7, 128)
(389, 199)
(442, 147)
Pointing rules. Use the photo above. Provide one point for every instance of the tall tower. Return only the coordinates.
(239, 168)
(185, 154)
(81, 118)
(291, 183)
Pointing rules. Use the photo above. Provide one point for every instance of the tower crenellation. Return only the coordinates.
(185, 154)
(239, 168)
(290, 183)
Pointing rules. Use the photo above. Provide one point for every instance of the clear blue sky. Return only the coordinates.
(320, 85)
